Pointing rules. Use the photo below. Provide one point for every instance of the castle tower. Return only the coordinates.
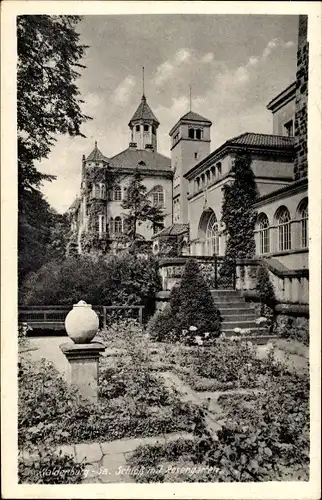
(190, 138)
(143, 126)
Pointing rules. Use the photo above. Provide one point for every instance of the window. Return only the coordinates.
(153, 130)
(146, 128)
(304, 214)
(101, 224)
(137, 128)
(191, 133)
(117, 225)
(96, 191)
(158, 197)
(218, 166)
(202, 180)
(212, 236)
(288, 128)
(284, 229)
(196, 156)
(263, 226)
(117, 193)
(158, 227)
(198, 183)
(208, 176)
(198, 133)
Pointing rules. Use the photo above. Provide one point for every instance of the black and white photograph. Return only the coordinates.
(163, 250)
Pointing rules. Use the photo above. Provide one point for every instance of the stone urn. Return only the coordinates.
(81, 323)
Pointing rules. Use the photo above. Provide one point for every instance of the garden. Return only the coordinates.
(235, 411)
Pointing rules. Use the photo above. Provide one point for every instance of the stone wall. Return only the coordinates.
(301, 165)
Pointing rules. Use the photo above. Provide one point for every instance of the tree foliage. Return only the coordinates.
(47, 96)
(238, 213)
(43, 233)
(48, 103)
(138, 207)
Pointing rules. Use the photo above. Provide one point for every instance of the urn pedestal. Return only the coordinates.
(83, 355)
(83, 367)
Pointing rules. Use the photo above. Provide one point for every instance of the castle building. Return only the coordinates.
(105, 182)
(189, 186)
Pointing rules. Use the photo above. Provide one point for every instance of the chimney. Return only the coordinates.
(133, 145)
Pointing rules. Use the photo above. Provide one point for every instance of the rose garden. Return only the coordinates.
(177, 400)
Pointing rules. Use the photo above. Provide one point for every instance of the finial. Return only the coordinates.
(143, 95)
(189, 97)
(95, 144)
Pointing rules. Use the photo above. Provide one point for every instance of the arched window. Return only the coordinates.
(198, 183)
(303, 213)
(117, 225)
(202, 180)
(212, 237)
(284, 228)
(263, 227)
(117, 193)
(158, 196)
(208, 176)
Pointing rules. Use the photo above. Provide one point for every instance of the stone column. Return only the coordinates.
(83, 367)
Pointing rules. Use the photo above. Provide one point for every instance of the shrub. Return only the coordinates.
(190, 304)
(50, 468)
(265, 287)
(122, 279)
(288, 327)
(160, 325)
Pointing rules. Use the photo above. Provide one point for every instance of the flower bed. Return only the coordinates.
(264, 439)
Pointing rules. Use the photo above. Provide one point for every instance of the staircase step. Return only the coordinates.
(233, 311)
(253, 331)
(238, 324)
(242, 316)
(232, 305)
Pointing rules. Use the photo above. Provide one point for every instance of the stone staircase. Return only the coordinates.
(235, 312)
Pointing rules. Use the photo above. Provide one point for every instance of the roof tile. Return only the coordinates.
(144, 112)
(262, 140)
(130, 158)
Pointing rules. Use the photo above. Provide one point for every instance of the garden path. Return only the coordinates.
(106, 462)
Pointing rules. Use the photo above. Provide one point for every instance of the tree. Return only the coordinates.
(238, 213)
(190, 305)
(139, 208)
(48, 100)
(48, 104)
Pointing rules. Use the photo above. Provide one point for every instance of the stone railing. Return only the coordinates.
(290, 286)
(171, 269)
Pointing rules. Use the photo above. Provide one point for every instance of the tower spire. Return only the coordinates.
(143, 94)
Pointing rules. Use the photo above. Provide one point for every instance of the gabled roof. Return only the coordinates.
(144, 112)
(130, 158)
(192, 116)
(96, 155)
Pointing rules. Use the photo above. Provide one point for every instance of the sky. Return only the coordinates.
(235, 65)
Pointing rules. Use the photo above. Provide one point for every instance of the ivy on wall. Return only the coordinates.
(238, 213)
